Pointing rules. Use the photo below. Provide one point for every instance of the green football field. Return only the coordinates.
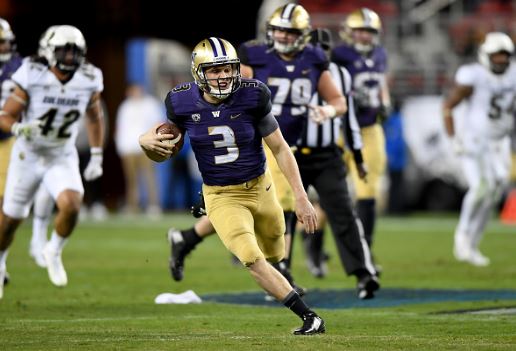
(116, 268)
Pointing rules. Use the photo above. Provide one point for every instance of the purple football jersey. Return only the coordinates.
(367, 73)
(292, 83)
(224, 137)
(6, 85)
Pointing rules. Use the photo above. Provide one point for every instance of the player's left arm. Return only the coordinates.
(457, 94)
(95, 121)
(288, 165)
(95, 129)
(336, 102)
(385, 99)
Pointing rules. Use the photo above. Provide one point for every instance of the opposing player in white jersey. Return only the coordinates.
(54, 92)
(489, 90)
(43, 201)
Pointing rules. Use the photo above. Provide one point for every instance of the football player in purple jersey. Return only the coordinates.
(227, 119)
(10, 60)
(295, 70)
(366, 60)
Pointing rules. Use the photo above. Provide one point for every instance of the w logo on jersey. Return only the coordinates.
(215, 113)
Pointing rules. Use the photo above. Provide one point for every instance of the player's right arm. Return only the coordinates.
(462, 89)
(12, 111)
(153, 144)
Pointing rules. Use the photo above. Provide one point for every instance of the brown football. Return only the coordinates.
(171, 128)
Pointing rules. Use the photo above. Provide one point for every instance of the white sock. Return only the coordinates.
(57, 242)
(39, 230)
(3, 258)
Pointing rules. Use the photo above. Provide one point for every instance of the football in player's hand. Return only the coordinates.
(171, 128)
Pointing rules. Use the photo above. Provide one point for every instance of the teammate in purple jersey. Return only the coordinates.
(366, 60)
(226, 119)
(295, 70)
(10, 60)
(292, 83)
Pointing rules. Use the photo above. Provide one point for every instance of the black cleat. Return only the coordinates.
(367, 286)
(312, 324)
(7, 279)
(178, 253)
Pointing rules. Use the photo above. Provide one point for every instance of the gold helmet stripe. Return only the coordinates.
(217, 46)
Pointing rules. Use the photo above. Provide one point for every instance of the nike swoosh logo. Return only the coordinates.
(267, 188)
(306, 71)
(235, 116)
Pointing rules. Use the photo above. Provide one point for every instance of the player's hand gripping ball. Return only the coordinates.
(171, 128)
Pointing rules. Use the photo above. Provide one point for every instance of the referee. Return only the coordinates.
(320, 163)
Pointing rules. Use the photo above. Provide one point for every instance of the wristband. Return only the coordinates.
(96, 150)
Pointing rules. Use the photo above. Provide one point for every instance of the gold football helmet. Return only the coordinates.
(54, 43)
(290, 18)
(215, 52)
(364, 19)
(6, 34)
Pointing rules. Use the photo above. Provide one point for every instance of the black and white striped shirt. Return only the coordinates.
(328, 133)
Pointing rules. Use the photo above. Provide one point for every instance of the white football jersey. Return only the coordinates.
(57, 105)
(490, 109)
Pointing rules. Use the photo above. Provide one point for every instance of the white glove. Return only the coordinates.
(94, 168)
(320, 114)
(28, 130)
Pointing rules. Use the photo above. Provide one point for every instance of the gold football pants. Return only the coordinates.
(248, 219)
(5, 155)
(284, 192)
(375, 159)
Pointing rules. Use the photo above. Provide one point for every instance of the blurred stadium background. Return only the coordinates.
(149, 43)
(118, 266)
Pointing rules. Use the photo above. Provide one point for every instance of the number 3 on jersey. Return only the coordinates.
(228, 141)
(62, 131)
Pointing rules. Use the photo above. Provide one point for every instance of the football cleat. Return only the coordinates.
(178, 252)
(312, 324)
(476, 258)
(55, 268)
(7, 278)
(367, 286)
(36, 252)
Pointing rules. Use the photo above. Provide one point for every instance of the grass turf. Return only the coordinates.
(116, 268)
